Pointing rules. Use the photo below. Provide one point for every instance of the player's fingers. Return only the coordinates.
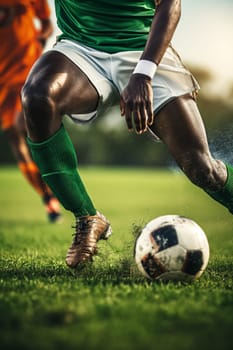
(143, 118)
(128, 118)
(150, 113)
(137, 120)
(122, 107)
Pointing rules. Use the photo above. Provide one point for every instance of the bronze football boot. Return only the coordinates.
(88, 231)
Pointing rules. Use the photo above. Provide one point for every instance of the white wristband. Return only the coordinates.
(146, 67)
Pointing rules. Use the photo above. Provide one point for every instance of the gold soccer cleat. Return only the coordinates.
(88, 231)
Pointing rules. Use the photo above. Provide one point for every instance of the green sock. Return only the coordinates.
(57, 162)
(225, 194)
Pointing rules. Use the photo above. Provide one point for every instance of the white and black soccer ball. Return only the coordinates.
(172, 247)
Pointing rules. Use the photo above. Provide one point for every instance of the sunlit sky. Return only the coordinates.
(204, 37)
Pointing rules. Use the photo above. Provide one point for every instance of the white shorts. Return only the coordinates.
(110, 73)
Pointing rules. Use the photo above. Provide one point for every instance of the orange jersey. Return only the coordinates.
(17, 32)
(19, 49)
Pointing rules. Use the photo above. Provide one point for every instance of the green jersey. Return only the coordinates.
(106, 25)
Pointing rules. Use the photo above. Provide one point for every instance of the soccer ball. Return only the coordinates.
(171, 247)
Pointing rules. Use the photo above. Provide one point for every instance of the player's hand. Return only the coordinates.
(136, 103)
(45, 31)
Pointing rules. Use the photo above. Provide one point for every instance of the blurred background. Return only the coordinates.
(204, 40)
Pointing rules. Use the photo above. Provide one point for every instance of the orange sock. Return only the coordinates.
(32, 174)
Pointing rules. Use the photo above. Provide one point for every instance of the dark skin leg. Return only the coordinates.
(180, 127)
(55, 87)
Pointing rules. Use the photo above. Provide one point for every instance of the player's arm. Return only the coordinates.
(136, 100)
(42, 12)
(45, 31)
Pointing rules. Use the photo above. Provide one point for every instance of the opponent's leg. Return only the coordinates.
(56, 87)
(180, 127)
(28, 168)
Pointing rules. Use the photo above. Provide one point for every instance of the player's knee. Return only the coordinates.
(36, 101)
(38, 110)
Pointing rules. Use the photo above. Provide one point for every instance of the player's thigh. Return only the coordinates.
(58, 78)
(179, 125)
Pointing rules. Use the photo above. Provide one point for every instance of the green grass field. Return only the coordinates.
(109, 305)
